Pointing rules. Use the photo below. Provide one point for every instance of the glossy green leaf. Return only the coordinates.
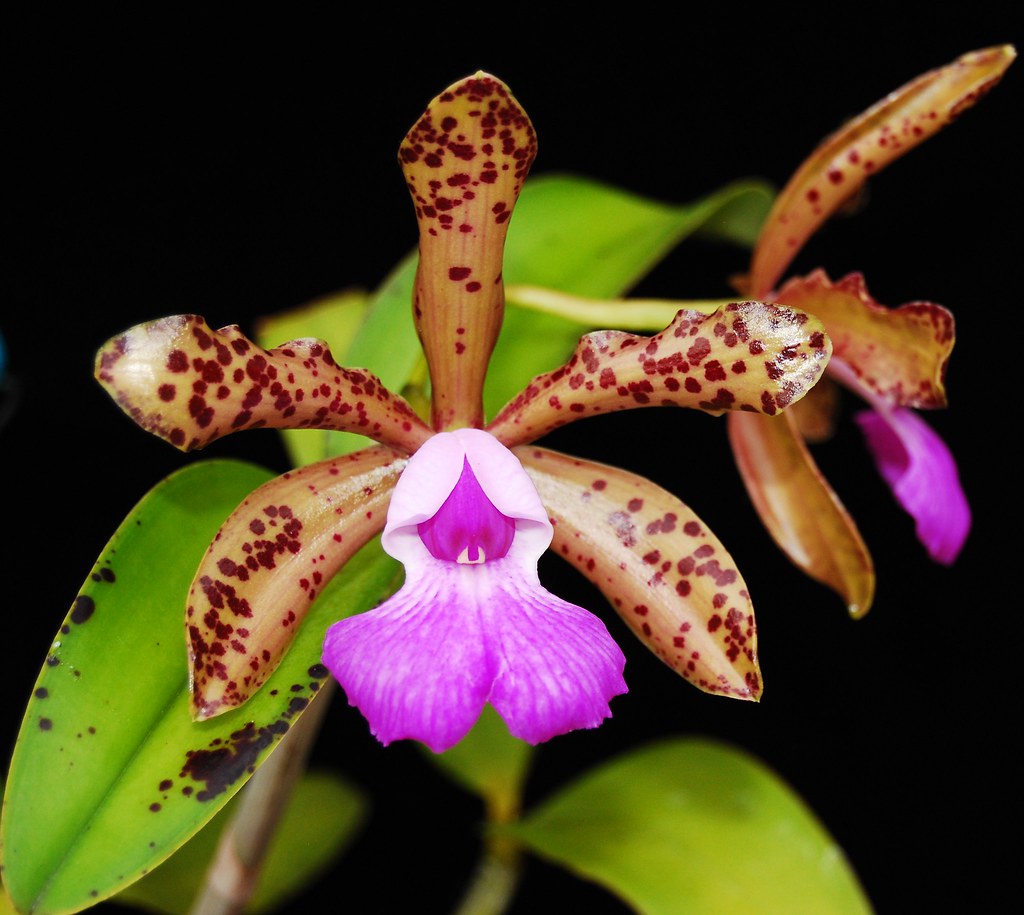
(6, 906)
(491, 763)
(690, 825)
(110, 774)
(323, 816)
(569, 233)
(336, 319)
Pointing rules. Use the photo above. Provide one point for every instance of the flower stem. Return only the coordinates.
(233, 874)
(496, 878)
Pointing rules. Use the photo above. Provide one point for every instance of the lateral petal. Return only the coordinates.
(270, 559)
(897, 354)
(864, 146)
(663, 571)
(800, 509)
(465, 161)
(922, 474)
(743, 356)
(189, 384)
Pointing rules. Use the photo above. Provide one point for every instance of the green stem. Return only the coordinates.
(496, 879)
(234, 872)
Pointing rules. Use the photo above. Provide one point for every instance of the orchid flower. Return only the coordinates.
(468, 506)
(895, 359)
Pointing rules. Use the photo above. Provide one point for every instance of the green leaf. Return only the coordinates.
(491, 763)
(689, 825)
(322, 818)
(110, 774)
(592, 239)
(336, 319)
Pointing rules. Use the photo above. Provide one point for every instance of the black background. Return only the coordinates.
(238, 168)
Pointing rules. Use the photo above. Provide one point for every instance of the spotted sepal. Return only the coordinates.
(189, 384)
(744, 356)
(464, 161)
(898, 355)
(843, 162)
(663, 571)
(268, 563)
(799, 509)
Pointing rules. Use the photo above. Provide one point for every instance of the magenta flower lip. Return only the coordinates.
(471, 626)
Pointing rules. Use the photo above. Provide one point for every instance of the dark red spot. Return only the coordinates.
(177, 361)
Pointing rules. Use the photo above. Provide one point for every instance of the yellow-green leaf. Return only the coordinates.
(689, 825)
(110, 775)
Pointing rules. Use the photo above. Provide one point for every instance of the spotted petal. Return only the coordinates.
(743, 356)
(190, 385)
(898, 355)
(863, 147)
(269, 561)
(919, 468)
(465, 161)
(799, 508)
(666, 574)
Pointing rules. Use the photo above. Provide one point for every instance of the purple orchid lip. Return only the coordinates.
(467, 527)
(918, 467)
(922, 474)
(472, 624)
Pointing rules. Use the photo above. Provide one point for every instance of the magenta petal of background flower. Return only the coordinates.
(923, 476)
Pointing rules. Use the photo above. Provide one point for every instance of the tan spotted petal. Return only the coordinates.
(665, 573)
(839, 167)
(269, 561)
(799, 508)
(896, 354)
(190, 385)
(743, 356)
(465, 161)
